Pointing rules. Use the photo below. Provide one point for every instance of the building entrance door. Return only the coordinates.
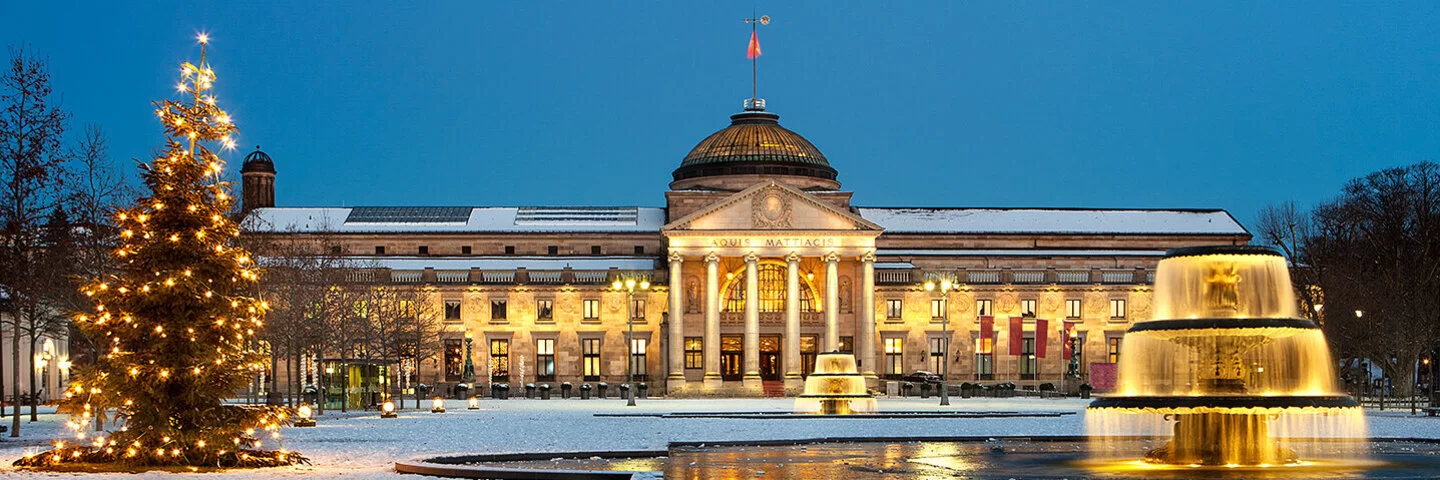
(770, 357)
(732, 353)
(807, 354)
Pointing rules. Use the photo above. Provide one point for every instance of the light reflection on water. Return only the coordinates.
(1004, 459)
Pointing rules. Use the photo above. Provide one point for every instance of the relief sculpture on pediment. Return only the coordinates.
(770, 210)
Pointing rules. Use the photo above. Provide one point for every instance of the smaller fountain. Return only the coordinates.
(836, 388)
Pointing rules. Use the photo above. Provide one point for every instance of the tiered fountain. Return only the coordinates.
(836, 387)
(1227, 368)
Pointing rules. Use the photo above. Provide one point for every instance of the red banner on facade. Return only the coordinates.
(1042, 331)
(1017, 335)
(987, 329)
(1067, 349)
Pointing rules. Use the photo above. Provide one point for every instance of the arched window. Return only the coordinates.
(772, 290)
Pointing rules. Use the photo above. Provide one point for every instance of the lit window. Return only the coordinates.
(1027, 308)
(500, 360)
(1113, 349)
(894, 360)
(894, 309)
(1072, 308)
(1117, 308)
(694, 352)
(454, 359)
(637, 358)
(984, 357)
(590, 358)
(937, 309)
(591, 310)
(982, 308)
(545, 359)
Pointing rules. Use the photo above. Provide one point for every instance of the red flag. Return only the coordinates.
(1017, 335)
(754, 51)
(987, 332)
(1067, 349)
(1042, 328)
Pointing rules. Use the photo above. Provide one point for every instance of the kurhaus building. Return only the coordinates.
(757, 261)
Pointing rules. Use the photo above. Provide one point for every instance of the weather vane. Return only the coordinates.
(753, 53)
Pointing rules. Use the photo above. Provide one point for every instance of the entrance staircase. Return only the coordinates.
(774, 388)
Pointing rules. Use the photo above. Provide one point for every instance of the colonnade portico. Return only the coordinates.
(791, 351)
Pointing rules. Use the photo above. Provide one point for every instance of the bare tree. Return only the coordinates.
(1374, 255)
(32, 173)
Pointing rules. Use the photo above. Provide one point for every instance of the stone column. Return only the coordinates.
(712, 321)
(832, 302)
(866, 338)
(751, 380)
(793, 380)
(676, 380)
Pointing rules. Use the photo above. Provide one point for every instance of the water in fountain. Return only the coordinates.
(836, 387)
(1227, 369)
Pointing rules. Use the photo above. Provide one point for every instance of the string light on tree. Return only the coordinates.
(179, 272)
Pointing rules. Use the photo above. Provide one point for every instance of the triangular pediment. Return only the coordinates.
(772, 205)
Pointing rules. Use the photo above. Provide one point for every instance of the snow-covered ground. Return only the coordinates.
(362, 445)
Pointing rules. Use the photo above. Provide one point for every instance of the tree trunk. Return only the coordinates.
(34, 389)
(15, 376)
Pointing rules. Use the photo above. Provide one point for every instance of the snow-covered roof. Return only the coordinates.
(1057, 221)
(502, 263)
(455, 219)
(1019, 252)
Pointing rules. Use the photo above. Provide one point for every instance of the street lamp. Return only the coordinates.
(629, 285)
(942, 286)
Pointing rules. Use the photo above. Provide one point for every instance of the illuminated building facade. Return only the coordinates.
(755, 211)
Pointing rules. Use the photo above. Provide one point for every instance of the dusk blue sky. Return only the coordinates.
(1000, 104)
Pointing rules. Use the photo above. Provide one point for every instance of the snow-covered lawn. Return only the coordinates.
(362, 445)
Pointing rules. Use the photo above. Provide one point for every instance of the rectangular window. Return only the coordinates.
(637, 358)
(1072, 308)
(639, 249)
(984, 358)
(591, 310)
(594, 249)
(982, 308)
(894, 358)
(545, 310)
(498, 310)
(452, 310)
(552, 250)
(894, 309)
(1117, 308)
(465, 250)
(1027, 308)
(637, 311)
(545, 359)
(590, 359)
(694, 353)
(454, 359)
(1027, 358)
(424, 250)
(937, 310)
(379, 249)
(500, 360)
(937, 355)
(1112, 349)
(1079, 352)
(847, 345)
(509, 249)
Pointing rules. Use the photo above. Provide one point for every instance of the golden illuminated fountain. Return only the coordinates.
(836, 387)
(1226, 368)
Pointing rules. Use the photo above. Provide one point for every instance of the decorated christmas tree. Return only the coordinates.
(174, 328)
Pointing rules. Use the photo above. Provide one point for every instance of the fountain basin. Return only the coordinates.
(933, 457)
(836, 388)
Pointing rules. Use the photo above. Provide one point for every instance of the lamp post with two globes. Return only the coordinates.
(942, 286)
(629, 285)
